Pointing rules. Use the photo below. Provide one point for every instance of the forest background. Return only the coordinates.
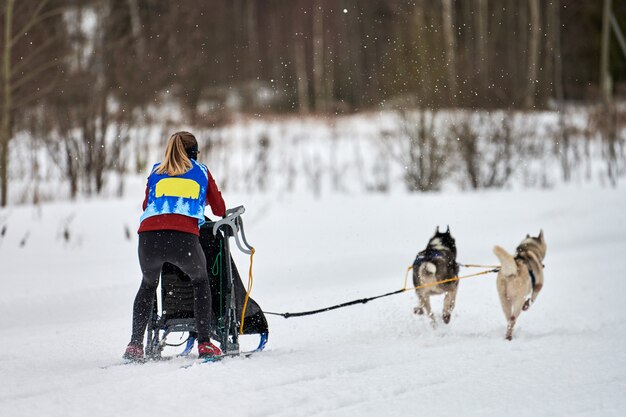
(80, 79)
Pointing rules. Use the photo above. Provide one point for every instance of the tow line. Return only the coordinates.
(491, 269)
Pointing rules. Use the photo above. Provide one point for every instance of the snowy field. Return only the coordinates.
(65, 311)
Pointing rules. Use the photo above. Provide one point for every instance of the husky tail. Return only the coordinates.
(509, 266)
(428, 268)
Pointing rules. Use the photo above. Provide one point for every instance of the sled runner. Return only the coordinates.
(173, 310)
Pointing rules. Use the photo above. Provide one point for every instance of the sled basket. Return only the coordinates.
(176, 300)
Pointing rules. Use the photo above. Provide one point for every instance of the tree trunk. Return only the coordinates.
(252, 38)
(5, 125)
(318, 56)
(546, 80)
(424, 79)
(521, 49)
(557, 75)
(101, 142)
(135, 24)
(556, 35)
(512, 52)
(300, 61)
(302, 78)
(482, 42)
(356, 73)
(533, 53)
(450, 45)
(329, 73)
(605, 74)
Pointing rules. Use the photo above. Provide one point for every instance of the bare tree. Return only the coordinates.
(482, 42)
(300, 62)
(424, 75)
(22, 82)
(486, 146)
(605, 74)
(533, 53)
(554, 7)
(421, 152)
(135, 22)
(449, 38)
(318, 56)
(5, 125)
(82, 117)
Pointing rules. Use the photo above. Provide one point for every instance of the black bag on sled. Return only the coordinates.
(213, 247)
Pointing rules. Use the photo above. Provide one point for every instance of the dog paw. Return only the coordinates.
(418, 310)
(509, 337)
(526, 305)
(446, 318)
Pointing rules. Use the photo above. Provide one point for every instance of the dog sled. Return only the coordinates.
(173, 310)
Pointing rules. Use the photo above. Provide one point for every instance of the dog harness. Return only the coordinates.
(426, 255)
(429, 254)
(533, 278)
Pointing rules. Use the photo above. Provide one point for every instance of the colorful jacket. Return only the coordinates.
(177, 203)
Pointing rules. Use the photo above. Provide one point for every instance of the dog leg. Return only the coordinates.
(419, 310)
(425, 300)
(504, 300)
(509, 328)
(507, 307)
(517, 310)
(448, 305)
(536, 289)
(533, 296)
(424, 307)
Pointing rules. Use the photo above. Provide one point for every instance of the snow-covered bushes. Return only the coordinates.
(418, 150)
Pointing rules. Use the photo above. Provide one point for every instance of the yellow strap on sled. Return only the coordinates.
(245, 303)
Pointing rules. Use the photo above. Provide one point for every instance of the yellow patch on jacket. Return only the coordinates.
(177, 187)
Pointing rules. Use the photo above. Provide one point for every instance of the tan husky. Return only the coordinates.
(520, 277)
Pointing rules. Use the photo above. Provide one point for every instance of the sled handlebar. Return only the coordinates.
(232, 219)
(235, 211)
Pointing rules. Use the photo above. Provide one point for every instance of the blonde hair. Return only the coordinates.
(176, 161)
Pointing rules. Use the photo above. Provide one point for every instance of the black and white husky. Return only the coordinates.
(520, 277)
(436, 263)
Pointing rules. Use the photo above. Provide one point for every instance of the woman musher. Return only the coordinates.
(177, 192)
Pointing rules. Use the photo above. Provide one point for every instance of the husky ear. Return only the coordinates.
(540, 237)
(437, 230)
(527, 235)
(448, 229)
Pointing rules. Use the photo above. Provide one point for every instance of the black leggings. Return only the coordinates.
(184, 251)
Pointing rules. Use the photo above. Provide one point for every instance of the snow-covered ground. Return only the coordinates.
(65, 311)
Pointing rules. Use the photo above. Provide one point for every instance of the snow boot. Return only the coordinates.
(134, 352)
(207, 350)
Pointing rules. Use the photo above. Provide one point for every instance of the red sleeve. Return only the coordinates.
(145, 200)
(214, 198)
